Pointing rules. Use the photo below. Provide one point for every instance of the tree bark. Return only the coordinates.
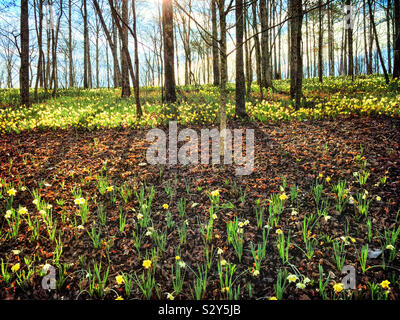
(215, 50)
(396, 45)
(240, 79)
(296, 63)
(24, 71)
(126, 88)
(168, 37)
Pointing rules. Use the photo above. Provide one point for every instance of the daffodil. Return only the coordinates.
(11, 192)
(109, 188)
(119, 279)
(8, 214)
(300, 285)
(165, 206)
(256, 273)
(214, 193)
(390, 247)
(220, 251)
(119, 298)
(147, 264)
(170, 296)
(279, 231)
(283, 197)
(177, 258)
(223, 262)
(338, 287)
(385, 284)
(15, 267)
(23, 210)
(272, 298)
(292, 278)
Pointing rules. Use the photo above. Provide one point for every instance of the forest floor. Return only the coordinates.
(323, 194)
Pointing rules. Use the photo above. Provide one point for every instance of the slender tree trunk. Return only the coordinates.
(39, 74)
(168, 37)
(71, 62)
(350, 71)
(85, 46)
(215, 50)
(126, 88)
(377, 43)
(257, 47)
(136, 80)
(240, 91)
(320, 40)
(24, 71)
(388, 21)
(112, 41)
(224, 75)
(331, 42)
(396, 45)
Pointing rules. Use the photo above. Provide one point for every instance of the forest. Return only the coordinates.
(199, 150)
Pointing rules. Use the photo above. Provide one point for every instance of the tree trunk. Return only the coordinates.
(224, 75)
(240, 79)
(257, 47)
(215, 50)
(320, 39)
(350, 70)
(71, 63)
(136, 80)
(168, 37)
(396, 45)
(24, 71)
(331, 44)
(265, 52)
(296, 63)
(377, 43)
(85, 47)
(126, 88)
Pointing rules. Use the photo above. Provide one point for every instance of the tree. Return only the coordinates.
(168, 38)
(377, 42)
(396, 45)
(320, 41)
(24, 71)
(240, 79)
(350, 70)
(215, 52)
(224, 75)
(296, 63)
(265, 52)
(126, 88)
